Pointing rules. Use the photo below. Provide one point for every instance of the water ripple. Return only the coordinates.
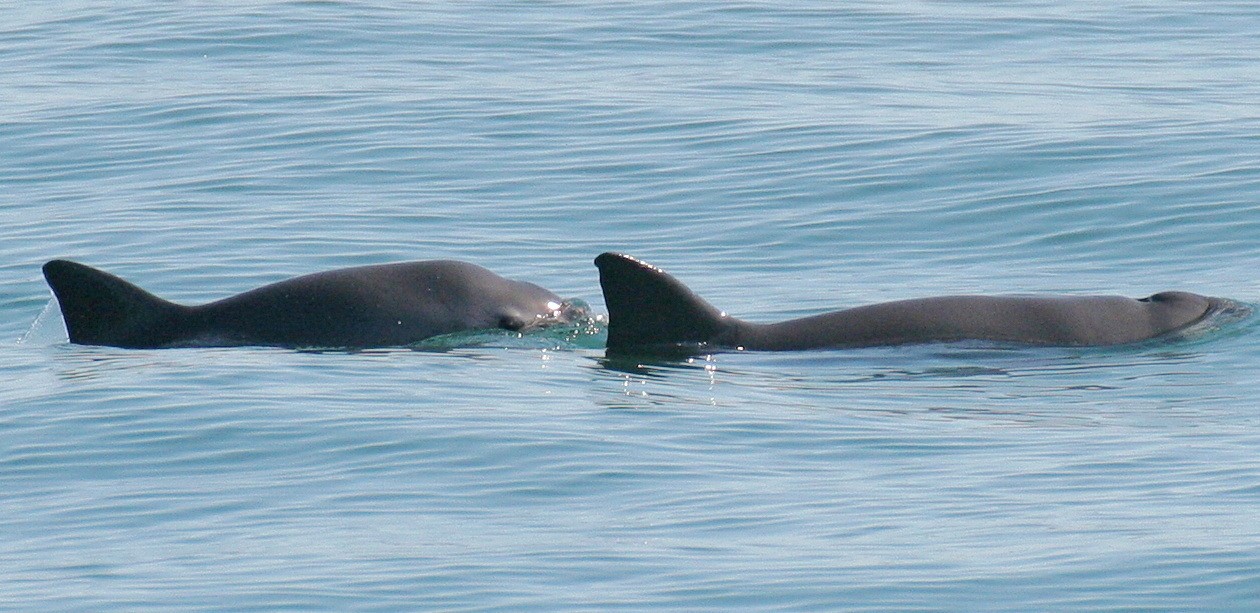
(782, 159)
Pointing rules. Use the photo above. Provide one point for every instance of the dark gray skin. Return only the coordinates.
(368, 306)
(650, 310)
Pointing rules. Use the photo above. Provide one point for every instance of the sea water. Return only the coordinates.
(781, 158)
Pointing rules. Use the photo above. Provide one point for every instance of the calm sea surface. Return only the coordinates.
(782, 158)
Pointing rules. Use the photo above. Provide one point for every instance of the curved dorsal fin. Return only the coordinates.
(648, 308)
(101, 309)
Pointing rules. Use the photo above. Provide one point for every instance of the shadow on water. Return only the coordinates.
(654, 365)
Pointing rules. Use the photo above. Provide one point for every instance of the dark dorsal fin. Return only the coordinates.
(648, 309)
(101, 309)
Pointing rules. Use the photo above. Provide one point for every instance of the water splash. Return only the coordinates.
(587, 332)
(44, 330)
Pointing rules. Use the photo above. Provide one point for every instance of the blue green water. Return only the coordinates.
(782, 158)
